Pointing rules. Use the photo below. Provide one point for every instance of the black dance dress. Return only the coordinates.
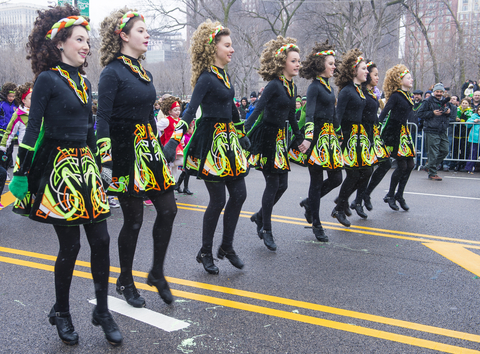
(127, 131)
(320, 129)
(269, 152)
(64, 183)
(395, 133)
(370, 122)
(214, 152)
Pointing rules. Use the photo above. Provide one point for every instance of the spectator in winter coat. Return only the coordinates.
(469, 91)
(473, 139)
(464, 87)
(253, 100)
(243, 108)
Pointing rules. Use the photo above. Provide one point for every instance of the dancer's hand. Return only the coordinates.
(245, 143)
(19, 186)
(170, 150)
(304, 146)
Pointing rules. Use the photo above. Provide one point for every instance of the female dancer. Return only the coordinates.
(395, 133)
(279, 63)
(214, 152)
(324, 151)
(64, 187)
(128, 137)
(382, 157)
(356, 146)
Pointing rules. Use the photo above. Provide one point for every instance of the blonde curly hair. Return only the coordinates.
(345, 68)
(202, 53)
(167, 103)
(112, 42)
(271, 66)
(392, 81)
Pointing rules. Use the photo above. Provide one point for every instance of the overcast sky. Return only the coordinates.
(99, 9)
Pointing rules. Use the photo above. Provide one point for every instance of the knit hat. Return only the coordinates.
(438, 87)
(428, 91)
(253, 94)
(299, 99)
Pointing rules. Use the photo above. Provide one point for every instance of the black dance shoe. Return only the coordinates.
(231, 256)
(402, 203)
(187, 191)
(359, 209)
(268, 240)
(340, 216)
(207, 260)
(319, 233)
(64, 324)
(368, 202)
(346, 210)
(131, 294)
(391, 202)
(256, 219)
(162, 288)
(308, 211)
(110, 328)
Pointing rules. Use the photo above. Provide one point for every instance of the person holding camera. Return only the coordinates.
(436, 114)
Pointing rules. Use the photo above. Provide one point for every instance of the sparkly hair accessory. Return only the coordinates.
(325, 52)
(174, 105)
(285, 47)
(370, 63)
(27, 93)
(404, 73)
(65, 23)
(211, 37)
(125, 18)
(11, 91)
(359, 59)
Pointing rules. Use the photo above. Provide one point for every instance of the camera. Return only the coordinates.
(444, 104)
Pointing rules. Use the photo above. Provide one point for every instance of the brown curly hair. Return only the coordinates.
(44, 52)
(21, 90)
(392, 80)
(112, 42)
(369, 79)
(202, 54)
(7, 87)
(313, 65)
(167, 103)
(345, 71)
(272, 66)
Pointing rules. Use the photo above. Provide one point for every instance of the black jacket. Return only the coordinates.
(431, 122)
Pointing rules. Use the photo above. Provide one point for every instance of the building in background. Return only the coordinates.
(162, 48)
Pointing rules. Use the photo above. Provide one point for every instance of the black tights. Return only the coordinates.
(69, 239)
(132, 208)
(216, 191)
(275, 185)
(400, 176)
(319, 188)
(382, 168)
(356, 178)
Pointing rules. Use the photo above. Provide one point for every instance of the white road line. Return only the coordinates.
(442, 195)
(469, 178)
(168, 324)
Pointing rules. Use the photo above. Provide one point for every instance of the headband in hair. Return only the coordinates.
(11, 91)
(325, 52)
(359, 59)
(26, 93)
(285, 47)
(212, 35)
(370, 63)
(125, 18)
(65, 23)
(174, 105)
(404, 73)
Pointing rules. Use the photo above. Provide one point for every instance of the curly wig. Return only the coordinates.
(370, 68)
(314, 65)
(44, 52)
(392, 81)
(111, 41)
(7, 87)
(202, 53)
(167, 103)
(21, 90)
(345, 68)
(271, 66)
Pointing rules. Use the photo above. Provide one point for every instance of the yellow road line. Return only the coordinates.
(269, 298)
(418, 342)
(7, 199)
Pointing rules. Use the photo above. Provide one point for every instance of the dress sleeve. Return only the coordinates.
(312, 93)
(293, 120)
(202, 86)
(388, 107)
(342, 102)
(268, 92)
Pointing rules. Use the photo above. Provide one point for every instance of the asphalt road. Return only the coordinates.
(397, 282)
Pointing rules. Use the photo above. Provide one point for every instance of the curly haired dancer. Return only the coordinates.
(127, 137)
(324, 152)
(279, 63)
(64, 187)
(215, 150)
